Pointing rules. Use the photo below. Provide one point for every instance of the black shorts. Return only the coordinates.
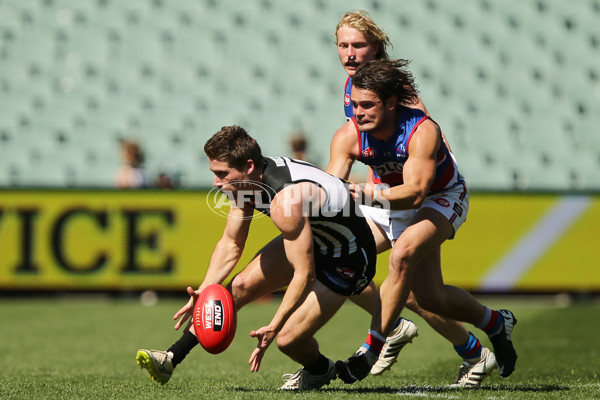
(347, 275)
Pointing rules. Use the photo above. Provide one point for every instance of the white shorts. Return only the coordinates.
(453, 203)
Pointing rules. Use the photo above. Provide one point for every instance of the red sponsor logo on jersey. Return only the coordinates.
(346, 272)
(368, 152)
(442, 202)
(347, 99)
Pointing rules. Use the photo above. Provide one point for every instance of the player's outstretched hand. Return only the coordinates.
(186, 311)
(265, 336)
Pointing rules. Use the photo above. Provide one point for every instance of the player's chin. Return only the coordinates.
(350, 68)
(365, 125)
(228, 190)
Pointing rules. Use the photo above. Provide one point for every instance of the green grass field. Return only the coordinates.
(84, 348)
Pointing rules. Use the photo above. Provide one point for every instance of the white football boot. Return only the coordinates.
(471, 374)
(304, 380)
(399, 337)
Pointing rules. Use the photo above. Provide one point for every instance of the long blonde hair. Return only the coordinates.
(361, 21)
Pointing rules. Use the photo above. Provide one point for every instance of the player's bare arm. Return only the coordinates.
(230, 247)
(419, 170)
(419, 104)
(224, 258)
(343, 151)
(292, 220)
(288, 215)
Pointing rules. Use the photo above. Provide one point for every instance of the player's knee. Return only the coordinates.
(412, 304)
(284, 341)
(399, 261)
(239, 289)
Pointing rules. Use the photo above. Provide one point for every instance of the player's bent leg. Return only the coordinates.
(451, 330)
(455, 303)
(248, 285)
(444, 300)
(427, 231)
(267, 272)
(393, 294)
(296, 340)
(366, 300)
(472, 372)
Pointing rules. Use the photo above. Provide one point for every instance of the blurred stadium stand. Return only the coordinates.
(514, 85)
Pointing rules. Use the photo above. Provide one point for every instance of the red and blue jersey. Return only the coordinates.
(347, 103)
(387, 159)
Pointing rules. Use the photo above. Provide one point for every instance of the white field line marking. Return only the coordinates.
(504, 275)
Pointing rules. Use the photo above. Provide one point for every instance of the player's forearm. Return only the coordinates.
(401, 197)
(418, 174)
(298, 246)
(340, 167)
(223, 260)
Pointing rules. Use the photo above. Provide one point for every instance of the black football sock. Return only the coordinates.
(318, 367)
(182, 347)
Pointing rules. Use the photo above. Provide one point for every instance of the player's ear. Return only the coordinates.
(249, 167)
(375, 49)
(392, 102)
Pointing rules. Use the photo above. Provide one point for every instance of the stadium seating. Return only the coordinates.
(514, 85)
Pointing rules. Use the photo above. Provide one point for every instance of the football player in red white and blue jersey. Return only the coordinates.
(427, 201)
(359, 40)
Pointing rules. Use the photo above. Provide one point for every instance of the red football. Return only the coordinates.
(215, 319)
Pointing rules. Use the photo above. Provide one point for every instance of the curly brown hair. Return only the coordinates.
(387, 78)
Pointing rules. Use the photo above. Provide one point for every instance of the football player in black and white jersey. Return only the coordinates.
(325, 253)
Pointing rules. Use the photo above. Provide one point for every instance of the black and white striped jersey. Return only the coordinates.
(338, 230)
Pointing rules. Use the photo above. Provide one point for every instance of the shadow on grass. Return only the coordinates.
(429, 389)
(445, 389)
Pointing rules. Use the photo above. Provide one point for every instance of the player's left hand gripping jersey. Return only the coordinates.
(337, 229)
(387, 159)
